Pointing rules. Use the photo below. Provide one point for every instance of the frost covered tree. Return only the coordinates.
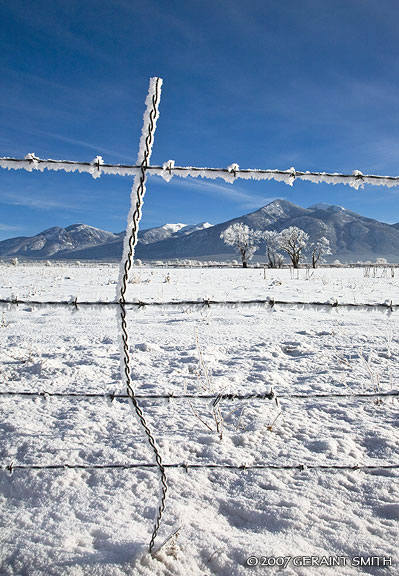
(274, 258)
(243, 239)
(381, 261)
(320, 249)
(293, 240)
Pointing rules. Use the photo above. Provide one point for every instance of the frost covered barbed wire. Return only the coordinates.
(189, 466)
(192, 305)
(97, 167)
(213, 397)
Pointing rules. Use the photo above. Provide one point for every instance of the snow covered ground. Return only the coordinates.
(99, 521)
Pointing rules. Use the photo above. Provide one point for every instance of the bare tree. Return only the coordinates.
(272, 238)
(320, 249)
(293, 240)
(243, 239)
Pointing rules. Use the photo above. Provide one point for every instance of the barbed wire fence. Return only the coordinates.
(167, 171)
(266, 303)
(189, 466)
(215, 397)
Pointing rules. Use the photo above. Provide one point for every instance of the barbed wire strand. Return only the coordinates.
(186, 466)
(131, 243)
(216, 397)
(168, 170)
(203, 303)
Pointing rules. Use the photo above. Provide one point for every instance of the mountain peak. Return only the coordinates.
(275, 210)
(325, 206)
(77, 227)
(280, 202)
(190, 228)
(172, 227)
(152, 235)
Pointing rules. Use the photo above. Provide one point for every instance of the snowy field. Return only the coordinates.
(99, 521)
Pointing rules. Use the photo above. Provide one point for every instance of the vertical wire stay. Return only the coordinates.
(137, 197)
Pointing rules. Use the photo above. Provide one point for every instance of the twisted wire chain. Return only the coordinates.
(131, 243)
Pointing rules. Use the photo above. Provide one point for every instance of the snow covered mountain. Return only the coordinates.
(193, 228)
(77, 240)
(54, 240)
(352, 237)
(152, 235)
(161, 233)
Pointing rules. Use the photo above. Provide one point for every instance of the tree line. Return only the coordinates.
(292, 241)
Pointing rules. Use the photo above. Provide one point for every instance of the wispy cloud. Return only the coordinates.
(38, 203)
(97, 149)
(230, 191)
(89, 146)
(58, 25)
(162, 13)
(8, 228)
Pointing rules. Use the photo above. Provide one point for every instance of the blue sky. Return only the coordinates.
(267, 84)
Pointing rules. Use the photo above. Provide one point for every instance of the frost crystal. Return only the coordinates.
(33, 164)
(358, 181)
(232, 173)
(292, 176)
(96, 163)
(167, 169)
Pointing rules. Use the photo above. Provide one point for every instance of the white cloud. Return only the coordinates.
(99, 149)
(8, 228)
(35, 202)
(230, 191)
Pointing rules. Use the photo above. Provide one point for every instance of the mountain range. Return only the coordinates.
(352, 237)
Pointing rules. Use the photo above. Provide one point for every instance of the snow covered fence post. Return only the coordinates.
(151, 115)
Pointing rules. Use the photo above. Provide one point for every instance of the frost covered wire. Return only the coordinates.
(188, 466)
(268, 303)
(138, 190)
(215, 397)
(97, 167)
